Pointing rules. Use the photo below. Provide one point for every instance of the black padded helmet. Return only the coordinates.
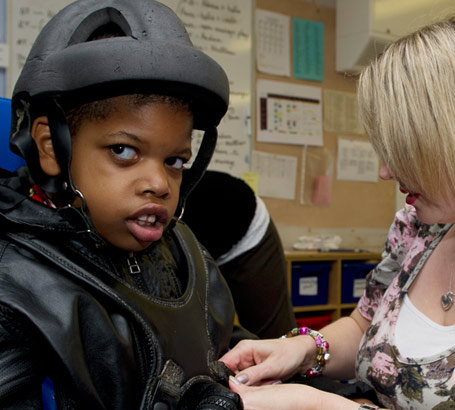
(152, 53)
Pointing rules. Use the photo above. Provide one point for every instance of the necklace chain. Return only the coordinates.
(447, 298)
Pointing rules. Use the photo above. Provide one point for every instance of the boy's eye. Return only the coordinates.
(176, 162)
(124, 152)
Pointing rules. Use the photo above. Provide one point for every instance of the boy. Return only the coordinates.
(101, 290)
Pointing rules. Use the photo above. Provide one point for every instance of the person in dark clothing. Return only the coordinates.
(233, 223)
(103, 292)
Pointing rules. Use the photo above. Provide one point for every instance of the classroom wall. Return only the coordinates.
(360, 212)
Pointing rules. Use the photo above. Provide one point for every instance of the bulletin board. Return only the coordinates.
(221, 28)
(356, 208)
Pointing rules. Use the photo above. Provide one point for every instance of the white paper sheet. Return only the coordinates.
(273, 43)
(27, 18)
(303, 176)
(276, 174)
(341, 112)
(356, 161)
(5, 59)
(289, 113)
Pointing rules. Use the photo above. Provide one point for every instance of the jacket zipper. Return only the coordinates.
(135, 269)
(133, 265)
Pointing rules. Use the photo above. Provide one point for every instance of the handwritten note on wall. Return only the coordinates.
(27, 18)
(220, 28)
(223, 30)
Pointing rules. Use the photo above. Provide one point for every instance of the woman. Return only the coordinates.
(401, 337)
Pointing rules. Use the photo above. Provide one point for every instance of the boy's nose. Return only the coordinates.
(154, 181)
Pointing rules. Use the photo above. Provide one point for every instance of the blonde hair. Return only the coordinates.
(407, 107)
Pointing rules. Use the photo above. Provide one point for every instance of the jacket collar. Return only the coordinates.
(18, 208)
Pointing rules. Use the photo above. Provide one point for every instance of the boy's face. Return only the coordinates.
(129, 169)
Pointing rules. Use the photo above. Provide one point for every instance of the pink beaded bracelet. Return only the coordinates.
(322, 346)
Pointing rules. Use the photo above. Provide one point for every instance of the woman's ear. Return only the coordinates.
(41, 134)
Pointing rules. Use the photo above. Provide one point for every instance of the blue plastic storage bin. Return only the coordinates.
(353, 280)
(310, 283)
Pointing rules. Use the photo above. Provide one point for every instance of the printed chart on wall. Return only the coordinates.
(357, 161)
(289, 113)
(220, 28)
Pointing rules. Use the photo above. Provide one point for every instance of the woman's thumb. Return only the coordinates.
(253, 376)
(236, 385)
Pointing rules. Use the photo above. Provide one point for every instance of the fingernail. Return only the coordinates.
(242, 378)
(233, 380)
(277, 382)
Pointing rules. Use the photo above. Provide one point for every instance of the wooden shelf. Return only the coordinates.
(334, 307)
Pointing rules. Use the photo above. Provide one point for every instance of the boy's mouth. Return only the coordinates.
(146, 220)
(147, 225)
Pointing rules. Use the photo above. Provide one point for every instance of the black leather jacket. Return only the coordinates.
(70, 312)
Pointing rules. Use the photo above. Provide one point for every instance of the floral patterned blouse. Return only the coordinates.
(422, 383)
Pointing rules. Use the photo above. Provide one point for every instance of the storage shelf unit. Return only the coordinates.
(334, 307)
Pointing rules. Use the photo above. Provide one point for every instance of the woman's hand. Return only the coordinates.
(289, 397)
(259, 362)
(272, 397)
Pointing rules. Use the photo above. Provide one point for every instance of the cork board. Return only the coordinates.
(369, 205)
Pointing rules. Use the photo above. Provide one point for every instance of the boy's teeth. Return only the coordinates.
(146, 220)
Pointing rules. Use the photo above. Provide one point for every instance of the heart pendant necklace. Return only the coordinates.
(447, 299)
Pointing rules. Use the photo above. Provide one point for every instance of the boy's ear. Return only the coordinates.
(41, 134)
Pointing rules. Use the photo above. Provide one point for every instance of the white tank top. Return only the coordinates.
(416, 335)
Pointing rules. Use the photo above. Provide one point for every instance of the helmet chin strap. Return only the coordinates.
(61, 141)
(66, 188)
(194, 174)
